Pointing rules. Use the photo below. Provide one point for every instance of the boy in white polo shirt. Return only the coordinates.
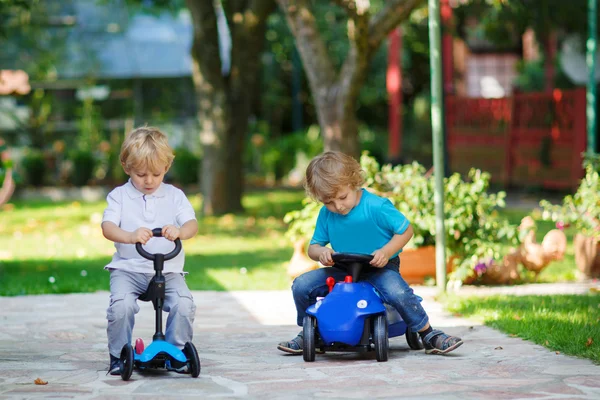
(133, 210)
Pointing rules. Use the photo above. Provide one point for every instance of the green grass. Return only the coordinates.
(565, 323)
(59, 248)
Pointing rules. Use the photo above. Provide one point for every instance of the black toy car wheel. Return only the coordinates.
(194, 361)
(414, 340)
(308, 333)
(126, 362)
(380, 338)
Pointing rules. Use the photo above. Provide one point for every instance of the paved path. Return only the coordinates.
(62, 340)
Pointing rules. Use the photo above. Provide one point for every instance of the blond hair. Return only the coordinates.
(331, 171)
(146, 147)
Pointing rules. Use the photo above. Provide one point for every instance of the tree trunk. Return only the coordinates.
(336, 92)
(339, 128)
(224, 97)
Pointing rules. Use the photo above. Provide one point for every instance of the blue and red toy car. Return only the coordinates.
(352, 317)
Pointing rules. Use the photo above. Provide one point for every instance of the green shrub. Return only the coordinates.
(474, 229)
(34, 167)
(84, 163)
(582, 210)
(186, 166)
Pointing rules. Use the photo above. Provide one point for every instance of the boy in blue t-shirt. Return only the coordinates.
(357, 221)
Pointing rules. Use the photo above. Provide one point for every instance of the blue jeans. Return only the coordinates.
(392, 288)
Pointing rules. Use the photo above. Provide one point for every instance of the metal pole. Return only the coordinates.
(591, 86)
(435, 59)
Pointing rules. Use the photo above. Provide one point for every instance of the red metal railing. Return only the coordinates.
(529, 139)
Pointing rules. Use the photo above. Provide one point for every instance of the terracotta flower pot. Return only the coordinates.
(587, 256)
(418, 264)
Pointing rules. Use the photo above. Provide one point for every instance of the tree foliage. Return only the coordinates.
(503, 20)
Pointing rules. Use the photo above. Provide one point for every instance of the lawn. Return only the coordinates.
(59, 248)
(564, 323)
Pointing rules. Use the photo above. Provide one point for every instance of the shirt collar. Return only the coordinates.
(134, 193)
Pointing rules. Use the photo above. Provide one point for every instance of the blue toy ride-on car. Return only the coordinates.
(160, 353)
(352, 317)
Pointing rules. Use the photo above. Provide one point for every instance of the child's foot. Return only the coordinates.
(437, 342)
(115, 366)
(294, 346)
(181, 370)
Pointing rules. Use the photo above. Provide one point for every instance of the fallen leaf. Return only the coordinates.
(558, 352)
(39, 381)
(516, 317)
(513, 335)
(498, 348)
(471, 327)
(547, 343)
(589, 342)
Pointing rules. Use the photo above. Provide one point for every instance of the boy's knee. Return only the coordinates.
(303, 283)
(185, 304)
(121, 306)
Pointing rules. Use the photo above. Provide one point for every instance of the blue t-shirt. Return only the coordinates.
(369, 226)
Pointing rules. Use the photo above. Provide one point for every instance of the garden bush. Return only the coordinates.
(186, 166)
(475, 230)
(34, 167)
(84, 163)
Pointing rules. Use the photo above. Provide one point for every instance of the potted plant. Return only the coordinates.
(582, 211)
(474, 228)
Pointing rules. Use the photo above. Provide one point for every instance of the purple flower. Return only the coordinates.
(480, 268)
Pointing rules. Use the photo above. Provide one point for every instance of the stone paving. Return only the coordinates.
(61, 339)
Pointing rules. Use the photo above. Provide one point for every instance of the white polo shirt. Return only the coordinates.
(130, 209)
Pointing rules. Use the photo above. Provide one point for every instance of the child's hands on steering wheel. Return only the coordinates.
(141, 235)
(380, 259)
(170, 232)
(325, 257)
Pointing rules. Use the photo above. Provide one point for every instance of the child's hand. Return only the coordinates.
(325, 257)
(170, 232)
(141, 235)
(380, 259)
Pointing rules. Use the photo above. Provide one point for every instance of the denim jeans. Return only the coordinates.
(392, 288)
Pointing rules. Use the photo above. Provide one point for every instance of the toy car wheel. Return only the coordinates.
(194, 361)
(308, 333)
(414, 340)
(126, 362)
(139, 346)
(380, 338)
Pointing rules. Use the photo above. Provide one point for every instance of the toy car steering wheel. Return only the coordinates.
(157, 232)
(346, 258)
(352, 262)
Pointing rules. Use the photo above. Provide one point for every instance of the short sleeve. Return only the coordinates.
(389, 218)
(112, 213)
(321, 235)
(185, 211)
